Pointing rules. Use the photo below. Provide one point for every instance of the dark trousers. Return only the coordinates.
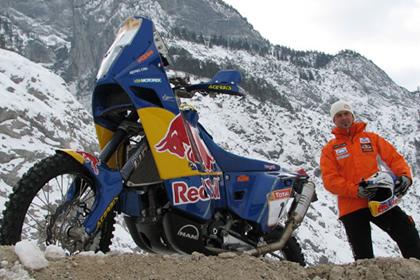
(395, 222)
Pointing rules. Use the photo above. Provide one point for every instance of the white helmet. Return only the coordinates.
(384, 198)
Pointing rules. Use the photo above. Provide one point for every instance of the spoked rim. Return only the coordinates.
(52, 219)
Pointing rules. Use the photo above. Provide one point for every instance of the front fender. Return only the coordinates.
(108, 185)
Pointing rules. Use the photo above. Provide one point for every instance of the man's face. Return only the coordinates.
(343, 119)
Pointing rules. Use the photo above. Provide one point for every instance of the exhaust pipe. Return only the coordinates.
(295, 218)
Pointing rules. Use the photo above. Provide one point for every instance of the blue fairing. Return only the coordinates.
(139, 71)
(108, 186)
(229, 162)
(248, 199)
(227, 76)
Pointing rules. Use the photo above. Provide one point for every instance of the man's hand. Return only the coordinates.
(366, 191)
(401, 185)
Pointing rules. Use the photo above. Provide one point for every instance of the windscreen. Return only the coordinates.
(124, 37)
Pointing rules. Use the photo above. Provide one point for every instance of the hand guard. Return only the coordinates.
(401, 185)
(366, 191)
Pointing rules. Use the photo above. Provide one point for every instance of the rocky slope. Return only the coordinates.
(196, 266)
(284, 118)
(37, 114)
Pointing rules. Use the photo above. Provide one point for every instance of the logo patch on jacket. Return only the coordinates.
(366, 147)
(339, 146)
(364, 140)
(342, 153)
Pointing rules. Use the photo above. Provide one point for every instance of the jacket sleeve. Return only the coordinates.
(333, 181)
(392, 158)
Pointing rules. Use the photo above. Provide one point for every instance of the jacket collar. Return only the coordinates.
(356, 128)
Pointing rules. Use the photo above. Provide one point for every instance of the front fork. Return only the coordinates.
(108, 182)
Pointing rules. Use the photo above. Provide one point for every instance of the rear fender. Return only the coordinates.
(108, 185)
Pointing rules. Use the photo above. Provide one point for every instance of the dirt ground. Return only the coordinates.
(197, 266)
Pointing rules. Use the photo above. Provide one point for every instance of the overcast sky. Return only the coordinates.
(384, 31)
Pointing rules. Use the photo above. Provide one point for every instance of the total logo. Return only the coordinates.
(280, 194)
(184, 194)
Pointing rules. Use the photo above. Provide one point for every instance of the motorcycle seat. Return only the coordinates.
(230, 162)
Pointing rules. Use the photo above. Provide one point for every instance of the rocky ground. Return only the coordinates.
(197, 266)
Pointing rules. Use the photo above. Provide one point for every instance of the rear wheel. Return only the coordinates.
(38, 209)
(291, 250)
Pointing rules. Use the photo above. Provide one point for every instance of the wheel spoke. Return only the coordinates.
(60, 186)
(37, 205)
(35, 220)
(45, 203)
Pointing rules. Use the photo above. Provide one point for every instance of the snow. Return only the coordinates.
(53, 252)
(16, 272)
(30, 255)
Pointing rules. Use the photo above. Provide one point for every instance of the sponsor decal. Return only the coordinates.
(168, 98)
(177, 143)
(341, 151)
(94, 162)
(106, 212)
(242, 178)
(184, 194)
(364, 140)
(144, 56)
(277, 202)
(280, 194)
(220, 87)
(366, 147)
(138, 70)
(379, 208)
(189, 231)
(339, 146)
(148, 80)
(270, 166)
(343, 156)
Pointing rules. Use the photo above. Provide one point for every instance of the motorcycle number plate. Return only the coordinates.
(277, 201)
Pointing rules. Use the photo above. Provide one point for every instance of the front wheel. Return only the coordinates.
(38, 209)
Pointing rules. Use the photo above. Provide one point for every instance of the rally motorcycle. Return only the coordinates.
(178, 191)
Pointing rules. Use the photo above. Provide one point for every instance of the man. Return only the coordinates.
(349, 159)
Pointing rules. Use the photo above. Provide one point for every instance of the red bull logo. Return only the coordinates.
(385, 206)
(177, 143)
(94, 162)
(184, 194)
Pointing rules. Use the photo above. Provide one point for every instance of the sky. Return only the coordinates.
(384, 31)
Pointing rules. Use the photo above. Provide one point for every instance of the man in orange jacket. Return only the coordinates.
(349, 159)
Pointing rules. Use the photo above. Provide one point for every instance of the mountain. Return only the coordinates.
(284, 118)
(37, 115)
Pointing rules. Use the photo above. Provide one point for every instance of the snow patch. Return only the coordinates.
(30, 255)
(53, 252)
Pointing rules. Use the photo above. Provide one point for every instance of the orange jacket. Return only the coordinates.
(352, 156)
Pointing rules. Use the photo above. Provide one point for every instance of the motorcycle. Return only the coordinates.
(178, 191)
